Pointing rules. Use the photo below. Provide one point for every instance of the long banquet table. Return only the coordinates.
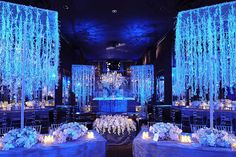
(150, 148)
(83, 147)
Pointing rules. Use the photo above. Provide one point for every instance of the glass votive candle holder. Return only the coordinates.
(145, 135)
(90, 135)
(233, 145)
(185, 139)
(48, 140)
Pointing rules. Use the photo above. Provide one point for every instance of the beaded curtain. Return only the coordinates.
(83, 83)
(205, 50)
(29, 49)
(66, 84)
(142, 77)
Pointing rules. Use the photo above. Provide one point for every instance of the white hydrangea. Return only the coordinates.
(69, 131)
(18, 138)
(213, 137)
(166, 131)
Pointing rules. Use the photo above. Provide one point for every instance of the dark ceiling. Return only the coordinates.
(115, 29)
(106, 29)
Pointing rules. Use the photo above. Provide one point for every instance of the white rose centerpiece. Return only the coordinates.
(116, 124)
(68, 132)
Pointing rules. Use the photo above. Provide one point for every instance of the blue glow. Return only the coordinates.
(160, 88)
(138, 32)
(90, 31)
(65, 89)
(114, 106)
(205, 49)
(142, 78)
(29, 46)
(83, 83)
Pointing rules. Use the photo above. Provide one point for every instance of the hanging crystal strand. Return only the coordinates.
(230, 47)
(37, 53)
(83, 83)
(31, 54)
(142, 82)
(230, 44)
(192, 54)
(216, 60)
(178, 44)
(199, 51)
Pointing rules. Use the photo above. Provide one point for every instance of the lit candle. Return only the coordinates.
(90, 135)
(233, 145)
(48, 140)
(1, 145)
(145, 135)
(185, 139)
(130, 120)
(156, 137)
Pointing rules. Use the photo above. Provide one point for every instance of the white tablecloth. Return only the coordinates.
(150, 148)
(81, 148)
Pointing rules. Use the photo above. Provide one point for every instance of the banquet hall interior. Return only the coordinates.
(112, 78)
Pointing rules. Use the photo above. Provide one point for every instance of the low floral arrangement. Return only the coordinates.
(68, 132)
(116, 124)
(166, 131)
(213, 137)
(20, 138)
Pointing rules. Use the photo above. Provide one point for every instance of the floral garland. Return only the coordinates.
(213, 137)
(70, 131)
(18, 138)
(116, 124)
(166, 131)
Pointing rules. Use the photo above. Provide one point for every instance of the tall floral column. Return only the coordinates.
(206, 51)
(83, 83)
(29, 50)
(142, 77)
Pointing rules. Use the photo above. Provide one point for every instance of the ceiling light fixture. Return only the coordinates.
(114, 11)
(66, 7)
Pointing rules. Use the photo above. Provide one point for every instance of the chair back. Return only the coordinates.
(37, 128)
(53, 127)
(179, 125)
(195, 127)
(5, 130)
(151, 123)
(226, 119)
(228, 129)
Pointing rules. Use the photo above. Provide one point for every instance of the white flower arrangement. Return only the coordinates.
(166, 131)
(213, 137)
(116, 124)
(70, 131)
(18, 138)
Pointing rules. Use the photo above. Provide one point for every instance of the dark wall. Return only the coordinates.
(68, 56)
(163, 63)
(161, 57)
